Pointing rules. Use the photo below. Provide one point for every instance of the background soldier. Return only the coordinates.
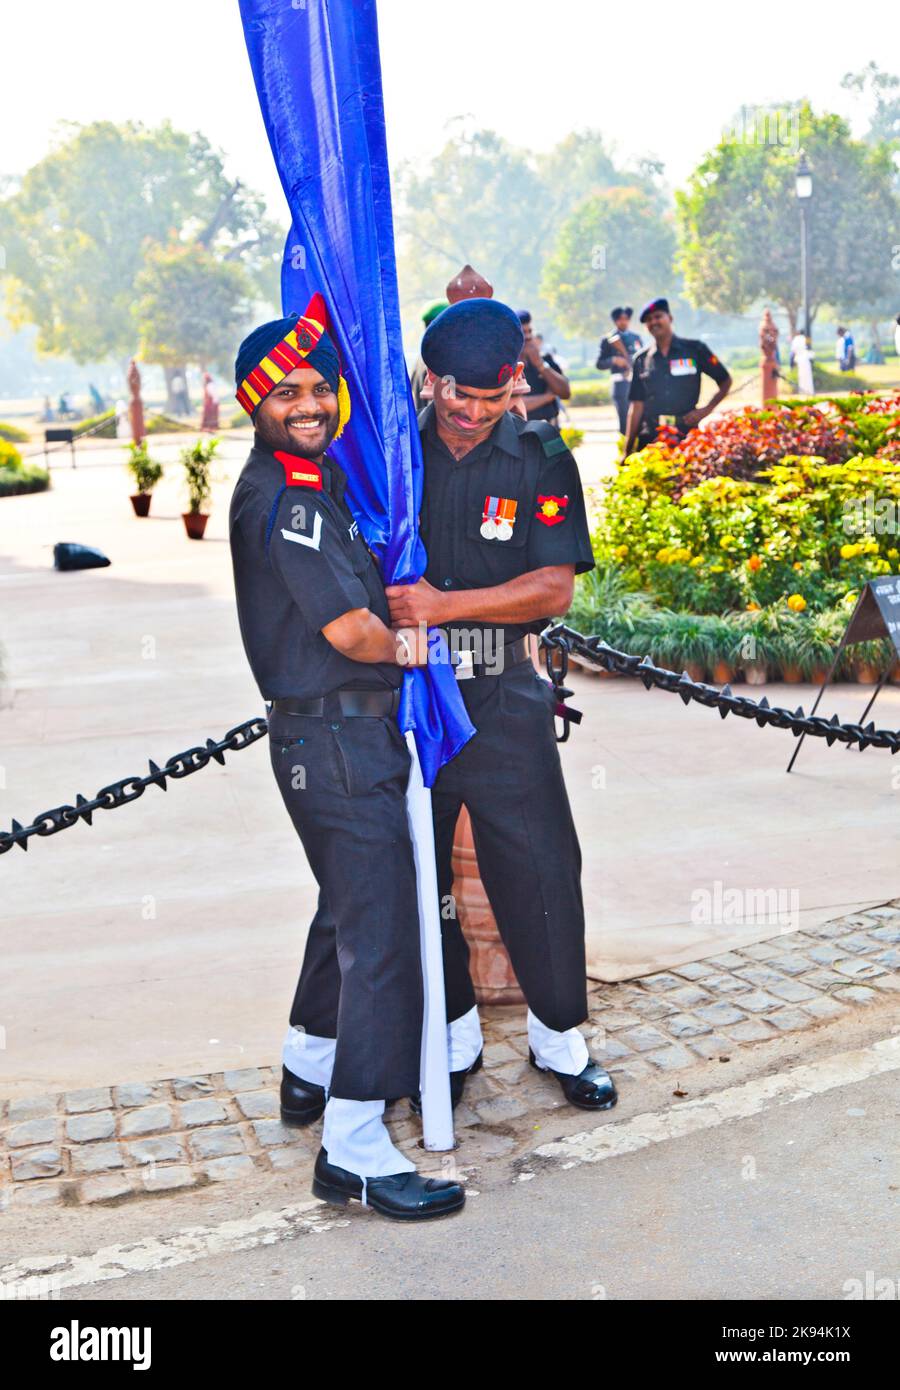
(615, 356)
(666, 380)
(314, 622)
(504, 526)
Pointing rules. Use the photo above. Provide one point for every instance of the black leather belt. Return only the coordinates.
(513, 653)
(360, 704)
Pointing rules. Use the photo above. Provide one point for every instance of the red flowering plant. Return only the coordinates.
(742, 443)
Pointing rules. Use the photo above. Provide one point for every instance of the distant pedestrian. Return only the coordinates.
(548, 382)
(617, 352)
(845, 350)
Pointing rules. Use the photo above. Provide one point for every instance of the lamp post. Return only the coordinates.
(804, 187)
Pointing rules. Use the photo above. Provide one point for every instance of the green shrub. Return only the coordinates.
(13, 433)
(239, 420)
(596, 392)
(26, 478)
(107, 422)
(572, 438)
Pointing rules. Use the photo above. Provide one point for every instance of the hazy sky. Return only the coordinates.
(658, 78)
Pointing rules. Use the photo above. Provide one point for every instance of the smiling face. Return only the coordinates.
(300, 415)
(659, 324)
(465, 414)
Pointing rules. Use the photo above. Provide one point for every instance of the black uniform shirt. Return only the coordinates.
(611, 347)
(481, 514)
(299, 563)
(669, 383)
(539, 387)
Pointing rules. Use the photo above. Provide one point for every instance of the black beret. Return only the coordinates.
(477, 342)
(651, 308)
(524, 316)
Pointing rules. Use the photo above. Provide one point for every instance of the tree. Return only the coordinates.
(740, 229)
(617, 247)
(190, 305)
(882, 90)
(481, 200)
(79, 229)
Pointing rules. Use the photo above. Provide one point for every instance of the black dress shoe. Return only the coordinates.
(457, 1085)
(591, 1089)
(401, 1196)
(302, 1102)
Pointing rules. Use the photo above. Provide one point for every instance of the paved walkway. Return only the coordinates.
(111, 1144)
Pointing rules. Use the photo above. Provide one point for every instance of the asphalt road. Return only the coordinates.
(792, 1201)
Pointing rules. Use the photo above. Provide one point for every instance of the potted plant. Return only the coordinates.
(869, 660)
(196, 461)
(146, 473)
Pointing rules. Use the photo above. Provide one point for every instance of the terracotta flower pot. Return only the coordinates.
(489, 964)
(818, 675)
(866, 673)
(723, 673)
(894, 677)
(195, 524)
(696, 670)
(792, 675)
(755, 673)
(141, 503)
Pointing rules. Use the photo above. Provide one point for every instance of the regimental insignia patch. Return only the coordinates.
(299, 472)
(499, 518)
(551, 510)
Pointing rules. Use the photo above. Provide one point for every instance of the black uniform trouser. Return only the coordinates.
(343, 781)
(620, 400)
(510, 778)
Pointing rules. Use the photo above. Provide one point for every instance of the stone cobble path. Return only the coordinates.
(110, 1144)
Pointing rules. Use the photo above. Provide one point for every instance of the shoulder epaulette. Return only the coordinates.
(551, 440)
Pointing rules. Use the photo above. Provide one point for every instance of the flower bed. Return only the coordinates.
(745, 546)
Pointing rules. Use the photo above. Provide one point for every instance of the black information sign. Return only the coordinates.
(877, 614)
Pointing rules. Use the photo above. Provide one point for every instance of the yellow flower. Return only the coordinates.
(796, 603)
(620, 552)
(727, 542)
(893, 554)
(752, 607)
(850, 552)
(754, 563)
(696, 562)
(850, 598)
(797, 565)
(717, 569)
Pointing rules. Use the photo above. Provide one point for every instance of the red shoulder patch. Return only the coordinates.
(299, 472)
(551, 510)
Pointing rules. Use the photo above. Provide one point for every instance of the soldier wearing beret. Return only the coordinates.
(666, 380)
(504, 526)
(316, 629)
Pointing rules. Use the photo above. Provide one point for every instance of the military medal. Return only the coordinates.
(499, 518)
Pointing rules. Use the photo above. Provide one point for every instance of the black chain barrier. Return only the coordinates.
(130, 788)
(558, 641)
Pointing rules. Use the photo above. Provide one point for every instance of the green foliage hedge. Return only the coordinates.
(13, 433)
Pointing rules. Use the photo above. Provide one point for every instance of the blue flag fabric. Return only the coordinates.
(317, 70)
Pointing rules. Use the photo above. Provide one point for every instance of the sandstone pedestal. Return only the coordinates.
(489, 963)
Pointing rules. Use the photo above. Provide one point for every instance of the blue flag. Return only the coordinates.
(318, 77)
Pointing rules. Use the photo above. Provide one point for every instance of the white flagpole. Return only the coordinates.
(437, 1113)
